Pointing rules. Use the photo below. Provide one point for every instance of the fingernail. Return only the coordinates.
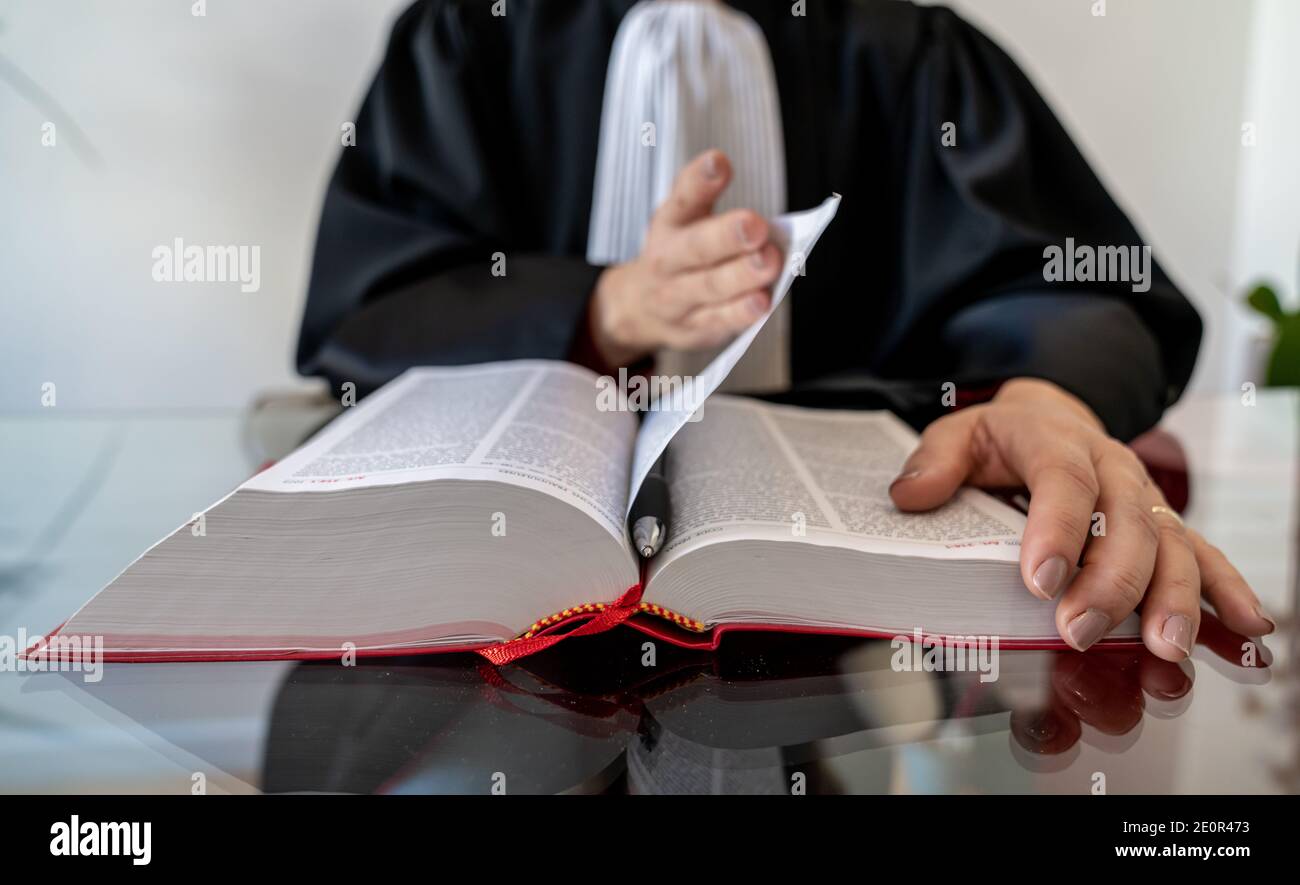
(904, 477)
(758, 260)
(1050, 576)
(712, 168)
(745, 230)
(757, 304)
(1264, 616)
(1178, 633)
(1087, 628)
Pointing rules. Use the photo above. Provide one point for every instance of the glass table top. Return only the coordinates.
(767, 713)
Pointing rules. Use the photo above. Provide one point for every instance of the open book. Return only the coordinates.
(483, 506)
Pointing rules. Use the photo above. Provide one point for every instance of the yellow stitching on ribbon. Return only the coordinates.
(591, 607)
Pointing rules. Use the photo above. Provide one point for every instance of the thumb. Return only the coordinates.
(938, 466)
(697, 187)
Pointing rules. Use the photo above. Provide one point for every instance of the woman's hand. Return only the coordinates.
(1035, 434)
(700, 278)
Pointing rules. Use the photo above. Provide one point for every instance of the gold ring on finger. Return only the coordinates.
(1162, 510)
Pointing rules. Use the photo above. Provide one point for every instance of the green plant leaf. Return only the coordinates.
(1284, 365)
(1264, 300)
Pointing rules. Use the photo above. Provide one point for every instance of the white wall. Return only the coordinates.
(222, 130)
(1267, 244)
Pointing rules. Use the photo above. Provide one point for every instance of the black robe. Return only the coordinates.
(479, 136)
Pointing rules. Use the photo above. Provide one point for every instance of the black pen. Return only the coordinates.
(648, 519)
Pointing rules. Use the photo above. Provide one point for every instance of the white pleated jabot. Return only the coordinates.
(685, 76)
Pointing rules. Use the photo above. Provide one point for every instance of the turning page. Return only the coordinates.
(796, 233)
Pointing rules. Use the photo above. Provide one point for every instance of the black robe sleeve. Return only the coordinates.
(449, 234)
(975, 219)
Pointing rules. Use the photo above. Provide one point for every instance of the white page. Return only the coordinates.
(533, 423)
(744, 472)
(796, 233)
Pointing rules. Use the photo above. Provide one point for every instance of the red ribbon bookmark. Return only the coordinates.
(613, 615)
